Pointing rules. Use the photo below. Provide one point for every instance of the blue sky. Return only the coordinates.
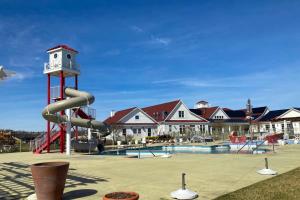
(139, 53)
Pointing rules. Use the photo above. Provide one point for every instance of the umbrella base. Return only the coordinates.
(184, 194)
(267, 172)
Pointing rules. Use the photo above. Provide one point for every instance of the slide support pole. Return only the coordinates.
(68, 132)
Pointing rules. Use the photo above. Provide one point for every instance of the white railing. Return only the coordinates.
(40, 140)
(55, 92)
(70, 65)
(89, 111)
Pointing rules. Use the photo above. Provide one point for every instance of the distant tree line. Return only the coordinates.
(23, 135)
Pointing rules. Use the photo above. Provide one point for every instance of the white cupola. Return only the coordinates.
(62, 58)
(202, 104)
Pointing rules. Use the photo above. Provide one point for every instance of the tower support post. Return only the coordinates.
(68, 132)
(62, 127)
(76, 87)
(89, 133)
(48, 102)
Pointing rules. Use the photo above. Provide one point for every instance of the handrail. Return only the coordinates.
(243, 146)
(258, 145)
(151, 152)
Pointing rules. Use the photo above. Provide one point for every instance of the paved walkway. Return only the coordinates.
(90, 176)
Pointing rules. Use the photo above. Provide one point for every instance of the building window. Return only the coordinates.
(181, 114)
(124, 131)
(273, 127)
(149, 132)
(170, 128)
(182, 129)
(267, 126)
(192, 128)
(139, 131)
(202, 128)
(137, 117)
(282, 127)
(55, 55)
(289, 127)
(68, 56)
(165, 114)
(134, 131)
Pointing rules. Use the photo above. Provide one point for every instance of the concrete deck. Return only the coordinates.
(90, 176)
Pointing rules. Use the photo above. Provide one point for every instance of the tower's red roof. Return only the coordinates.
(64, 47)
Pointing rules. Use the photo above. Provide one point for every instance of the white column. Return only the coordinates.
(271, 128)
(68, 133)
(285, 127)
(89, 134)
(206, 129)
(229, 128)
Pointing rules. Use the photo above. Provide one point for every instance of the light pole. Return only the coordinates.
(249, 116)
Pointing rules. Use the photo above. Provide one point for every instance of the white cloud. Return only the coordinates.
(137, 29)
(162, 41)
(113, 52)
(267, 80)
(192, 82)
(153, 39)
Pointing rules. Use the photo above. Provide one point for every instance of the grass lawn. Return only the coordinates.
(281, 187)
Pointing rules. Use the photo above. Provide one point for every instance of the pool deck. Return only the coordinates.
(90, 176)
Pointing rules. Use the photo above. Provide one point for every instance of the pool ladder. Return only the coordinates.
(243, 146)
(139, 156)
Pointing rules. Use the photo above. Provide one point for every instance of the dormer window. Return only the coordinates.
(137, 117)
(181, 114)
(219, 117)
(55, 55)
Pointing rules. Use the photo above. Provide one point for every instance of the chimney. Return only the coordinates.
(112, 113)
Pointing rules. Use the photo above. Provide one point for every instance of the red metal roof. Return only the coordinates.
(118, 115)
(207, 112)
(64, 47)
(158, 112)
(161, 111)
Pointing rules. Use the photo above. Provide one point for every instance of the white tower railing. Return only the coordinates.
(50, 67)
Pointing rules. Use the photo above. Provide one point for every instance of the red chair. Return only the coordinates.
(237, 139)
(273, 138)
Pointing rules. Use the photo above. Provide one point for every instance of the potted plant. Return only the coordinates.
(49, 179)
(121, 196)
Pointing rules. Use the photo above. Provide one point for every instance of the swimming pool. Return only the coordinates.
(174, 149)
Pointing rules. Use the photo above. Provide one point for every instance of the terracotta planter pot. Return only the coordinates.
(49, 179)
(118, 196)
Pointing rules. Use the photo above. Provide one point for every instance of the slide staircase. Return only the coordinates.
(81, 113)
(40, 143)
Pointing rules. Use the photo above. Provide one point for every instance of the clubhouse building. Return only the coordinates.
(175, 118)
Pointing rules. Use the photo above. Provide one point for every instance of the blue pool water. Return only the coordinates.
(173, 149)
